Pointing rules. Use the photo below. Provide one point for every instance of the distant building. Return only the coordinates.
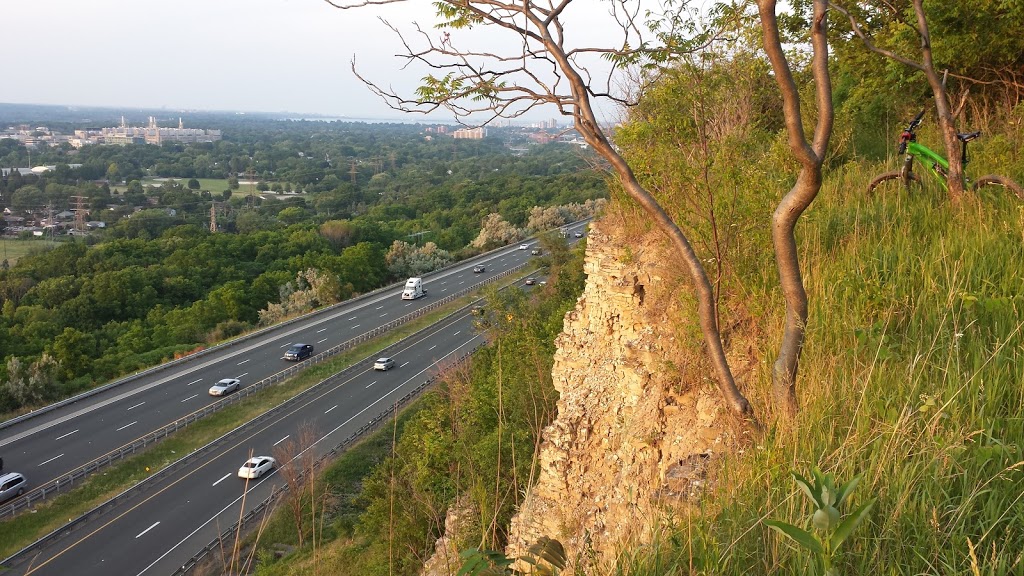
(470, 133)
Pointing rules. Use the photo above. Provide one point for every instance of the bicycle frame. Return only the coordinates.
(937, 166)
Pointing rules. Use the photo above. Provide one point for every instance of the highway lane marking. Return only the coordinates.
(432, 347)
(126, 425)
(136, 406)
(378, 307)
(457, 333)
(321, 330)
(243, 361)
(189, 398)
(357, 325)
(352, 318)
(409, 304)
(403, 365)
(239, 377)
(193, 382)
(225, 477)
(48, 461)
(384, 314)
(282, 439)
(371, 384)
(331, 408)
(68, 434)
(461, 283)
(286, 345)
(155, 524)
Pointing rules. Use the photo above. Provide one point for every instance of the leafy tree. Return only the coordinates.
(193, 184)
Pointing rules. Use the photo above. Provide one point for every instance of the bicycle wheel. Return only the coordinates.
(891, 181)
(996, 180)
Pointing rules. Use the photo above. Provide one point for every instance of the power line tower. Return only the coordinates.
(352, 171)
(79, 212)
(213, 217)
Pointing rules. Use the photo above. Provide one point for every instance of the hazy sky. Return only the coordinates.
(240, 55)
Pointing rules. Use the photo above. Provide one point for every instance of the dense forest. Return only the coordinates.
(368, 204)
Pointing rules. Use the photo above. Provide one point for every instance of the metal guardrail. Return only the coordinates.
(71, 478)
(182, 462)
(226, 539)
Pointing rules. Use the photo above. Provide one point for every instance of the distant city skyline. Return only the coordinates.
(271, 56)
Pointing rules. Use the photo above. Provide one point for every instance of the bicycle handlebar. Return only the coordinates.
(916, 121)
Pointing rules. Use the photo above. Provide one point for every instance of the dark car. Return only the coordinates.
(299, 352)
(479, 268)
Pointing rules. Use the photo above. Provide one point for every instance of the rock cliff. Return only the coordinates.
(638, 414)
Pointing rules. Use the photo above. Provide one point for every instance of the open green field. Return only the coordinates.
(13, 249)
(214, 185)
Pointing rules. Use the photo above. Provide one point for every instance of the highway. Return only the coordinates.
(56, 442)
(179, 513)
(160, 529)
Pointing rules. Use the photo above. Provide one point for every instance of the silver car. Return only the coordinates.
(12, 484)
(225, 386)
(384, 363)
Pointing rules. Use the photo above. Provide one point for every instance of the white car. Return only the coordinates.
(524, 246)
(256, 466)
(384, 363)
(225, 386)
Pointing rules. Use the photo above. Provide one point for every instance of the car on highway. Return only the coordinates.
(299, 352)
(256, 466)
(535, 251)
(524, 246)
(531, 281)
(479, 268)
(579, 234)
(477, 311)
(12, 484)
(225, 386)
(384, 363)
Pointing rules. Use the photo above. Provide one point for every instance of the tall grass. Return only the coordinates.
(913, 375)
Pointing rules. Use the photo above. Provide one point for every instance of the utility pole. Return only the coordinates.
(213, 217)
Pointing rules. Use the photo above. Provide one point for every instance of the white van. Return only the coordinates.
(413, 289)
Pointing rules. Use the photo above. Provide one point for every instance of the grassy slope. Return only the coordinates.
(912, 376)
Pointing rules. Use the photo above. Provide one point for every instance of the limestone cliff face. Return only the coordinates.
(637, 415)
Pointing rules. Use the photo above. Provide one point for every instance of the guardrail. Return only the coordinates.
(24, 554)
(71, 478)
(226, 539)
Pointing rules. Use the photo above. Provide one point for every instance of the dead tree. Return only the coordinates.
(943, 109)
(811, 156)
(542, 68)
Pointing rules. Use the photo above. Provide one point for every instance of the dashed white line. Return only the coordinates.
(352, 318)
(461, 283)
(432, 347)
(127, 425)
(286, 345)
(68, 434)
(331, 408)
(321, 330)
(357, 326)
(371, 383)
(457, 333)
(403, 365)
(225, 477)
(384, 314)
(48, 461)
(240, 376)
(155, 524)
(378, 307)
(190, 397)
(244, 361)
(409, 304)
(136, 406)
(193, 382)
(282, 440)
(321, 341)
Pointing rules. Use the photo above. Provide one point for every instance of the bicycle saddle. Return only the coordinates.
(968, 136)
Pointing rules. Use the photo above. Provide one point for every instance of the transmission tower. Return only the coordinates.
(79, 212)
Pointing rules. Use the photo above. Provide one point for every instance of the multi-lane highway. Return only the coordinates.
(180, 515)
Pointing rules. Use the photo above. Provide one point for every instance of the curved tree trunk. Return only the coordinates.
(808, 183)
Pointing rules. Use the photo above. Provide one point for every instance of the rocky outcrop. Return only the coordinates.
(638, 416)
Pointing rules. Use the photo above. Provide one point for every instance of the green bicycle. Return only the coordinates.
(936, 165)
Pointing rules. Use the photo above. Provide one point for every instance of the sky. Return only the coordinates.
(235, 55)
